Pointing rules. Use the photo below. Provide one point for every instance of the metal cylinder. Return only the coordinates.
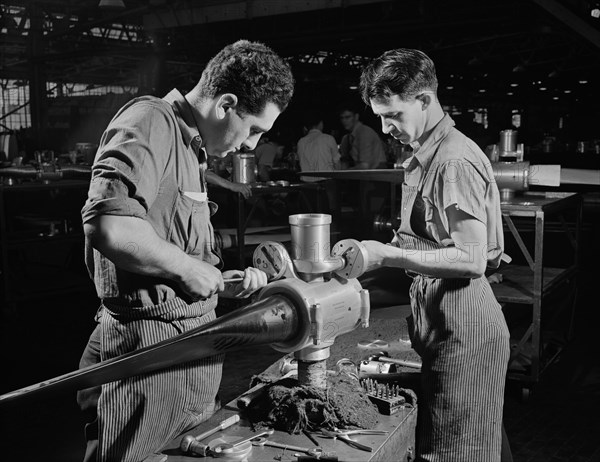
(508, 141)
(310, 237)
(511, 177)
(313, 373)
(244, 168)
(375, 367)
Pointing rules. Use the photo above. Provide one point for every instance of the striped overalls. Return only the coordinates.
(461, 335)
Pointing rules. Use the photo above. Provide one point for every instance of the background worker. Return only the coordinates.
(318, 151)
(241, 188)
(150, 245)
(266, 152)
(361, 146)
(363, 149)
(450, 232)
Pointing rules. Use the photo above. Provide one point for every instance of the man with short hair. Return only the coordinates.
(318, 151)
(363, 149)
(450, 232)
(362, 144)
(150, 246)
(265, 153)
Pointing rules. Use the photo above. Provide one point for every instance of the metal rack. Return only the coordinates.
(532, 283)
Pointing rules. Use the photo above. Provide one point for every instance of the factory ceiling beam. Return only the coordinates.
(573, 21)
(180, 14)
(84, 26)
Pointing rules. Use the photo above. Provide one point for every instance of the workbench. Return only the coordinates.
(393, 176)
(387, 324)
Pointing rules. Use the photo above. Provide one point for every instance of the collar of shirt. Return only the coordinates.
(187, 124)
(424, 153)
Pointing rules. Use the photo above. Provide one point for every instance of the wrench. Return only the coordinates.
(315, 452)
(221, 447)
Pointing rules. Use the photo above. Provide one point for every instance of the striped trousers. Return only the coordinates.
(461, 335)
(133, 418)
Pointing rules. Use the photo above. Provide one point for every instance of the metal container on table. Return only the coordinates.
(508, 143)
(511, 177)
(244, 168)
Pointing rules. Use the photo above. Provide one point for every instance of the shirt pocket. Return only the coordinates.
(190, 225)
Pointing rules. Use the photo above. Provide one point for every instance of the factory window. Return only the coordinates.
(56, 90)
(14, 105)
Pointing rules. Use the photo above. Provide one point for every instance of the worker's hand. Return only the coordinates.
(244, 189)
(254, 279)
(377, 253)
(200, 280)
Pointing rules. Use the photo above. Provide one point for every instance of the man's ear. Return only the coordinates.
(425, 99)
(225, 103)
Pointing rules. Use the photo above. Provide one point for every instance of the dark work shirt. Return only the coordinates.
(150, 165)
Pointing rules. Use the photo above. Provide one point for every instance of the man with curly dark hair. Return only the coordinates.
(150, 244)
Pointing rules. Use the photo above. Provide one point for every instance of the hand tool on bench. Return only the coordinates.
(360, 432)
(192, 445)
(223, 446)
(347, 440)
(384, 357)
(315, 452)
(247, 397)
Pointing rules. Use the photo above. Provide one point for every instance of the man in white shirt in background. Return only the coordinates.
(318, 151)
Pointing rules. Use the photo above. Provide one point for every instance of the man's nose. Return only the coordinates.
(249, 144)
(386, 127)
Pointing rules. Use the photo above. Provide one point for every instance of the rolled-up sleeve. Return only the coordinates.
(131, 161)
